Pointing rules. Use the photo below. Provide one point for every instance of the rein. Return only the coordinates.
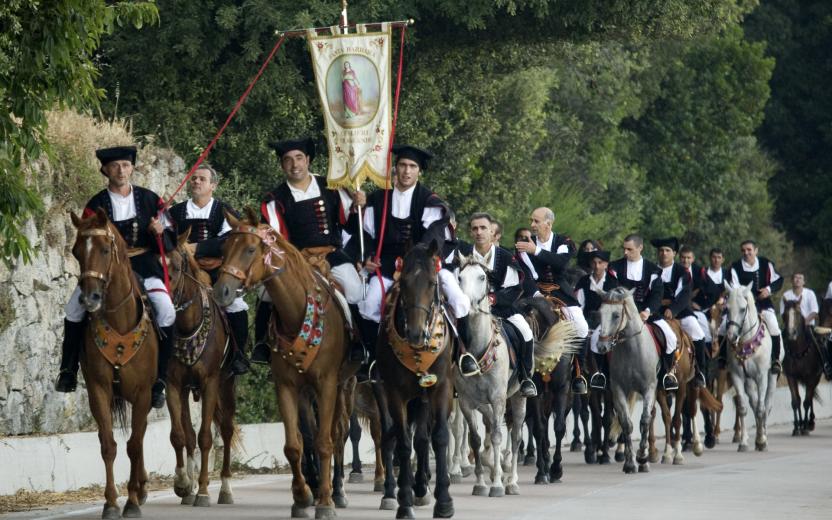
(616, 337)
(268, 239)
(106, 277)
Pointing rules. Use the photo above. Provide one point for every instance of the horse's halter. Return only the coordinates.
(267, 240)
(739, 325)
(430, 312)
(478, 304)
(105, 277)
(622, 324)
(179, 289)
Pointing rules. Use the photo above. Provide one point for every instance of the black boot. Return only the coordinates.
(70, 352)
(722, 361)
(668, 379)
(261, 354)
(468, 365)
(157, 399)
(369, 335)
(827, 360)
(238, 321)
(599, 378)
(776, 367)
(525, 366)
(578, 386)
(358, 351)
(701, 355)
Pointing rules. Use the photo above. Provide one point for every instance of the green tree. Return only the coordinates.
(46, 61)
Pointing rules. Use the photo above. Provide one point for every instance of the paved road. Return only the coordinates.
(794, 478)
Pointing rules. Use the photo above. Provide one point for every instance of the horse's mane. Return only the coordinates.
(541, 307)
(418, 255)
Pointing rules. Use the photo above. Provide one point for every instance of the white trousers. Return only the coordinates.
(576, 315)
(704, 325)
(237, 305)
(691, 325)
(522, 325)
(770, 317)
(669, 336)
(460, 305)
(162, 304)
(593, 340)
(350, 281)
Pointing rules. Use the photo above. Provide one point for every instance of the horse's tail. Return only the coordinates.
(237, 436)
(559, 340)
(119, 412)
(615, 427)
(708, 401)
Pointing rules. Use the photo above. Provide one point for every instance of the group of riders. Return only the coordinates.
(311, 216)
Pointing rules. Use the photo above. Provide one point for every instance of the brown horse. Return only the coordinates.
(311, 346)
(415, 328)
(720, 382)
(201, 341)
(366, 413)
(802, 364)
(120, 351)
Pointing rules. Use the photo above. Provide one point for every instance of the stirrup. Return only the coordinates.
(670, 383)
(776, 367)
(257, 350)
(530, 393)
(577, 382)
(475, 372)
(370, 373)
(598, 381)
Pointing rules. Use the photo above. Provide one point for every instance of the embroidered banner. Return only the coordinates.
(352, 73)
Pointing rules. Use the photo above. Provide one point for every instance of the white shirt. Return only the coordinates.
(828, 295)
(596, 286)
(547, 245)
(715, 276)
(124, 208)
(808, 302)
(667, 276)
(635, 269)
(194, 211)
(400, 208)
(511, 279)
(312, 191)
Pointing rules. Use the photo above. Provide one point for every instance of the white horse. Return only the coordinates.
(750, 362)
(487, 391)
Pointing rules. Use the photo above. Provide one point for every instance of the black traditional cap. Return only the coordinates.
(602, 255)
(306, 146)
(671, 242)
(419, 156)
(116, 153)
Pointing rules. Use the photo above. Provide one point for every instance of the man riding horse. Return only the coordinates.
(807, 301)
(311, 217)
(205, 217)
(678, 285)
(415, 215)
(633, 271)
(546, 257)
(765, 281)
(504, 283)
(708, 290)
(133, 211)
(588, 292)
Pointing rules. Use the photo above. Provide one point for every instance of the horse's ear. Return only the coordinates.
(182, 239)
(231, 218)
(462, 259)
(251, 216)
(101, 216)
(729, 285)
(76, 220)
(630, 292)
(433, 248)
(750, 286)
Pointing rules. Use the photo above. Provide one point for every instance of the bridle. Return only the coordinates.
(741, 332)
(478, 304)
(430, 312)
(267, 238)
(106, 276)
(179, 289)
(616, 337)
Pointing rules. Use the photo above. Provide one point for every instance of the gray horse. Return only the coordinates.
(632, 369)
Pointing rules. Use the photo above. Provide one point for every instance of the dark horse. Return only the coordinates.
(415, 327)
(309, 348)
(802, 364)
(201, 340)
(120, 350)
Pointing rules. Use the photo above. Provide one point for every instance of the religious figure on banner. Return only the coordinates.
(351, 88)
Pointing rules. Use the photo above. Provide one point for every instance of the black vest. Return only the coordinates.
(505, 297)
(551, 268)
(759, 279)
(646, 294)
(204, 231)
(309, 223)
(679, 303)
(709, 292)
(592, 300)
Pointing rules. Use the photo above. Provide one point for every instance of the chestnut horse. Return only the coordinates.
(720, 383)
(201, 341)
(120, 350)
(311, 347)
(802, 364)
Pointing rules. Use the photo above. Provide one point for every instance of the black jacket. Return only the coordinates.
(648, 290)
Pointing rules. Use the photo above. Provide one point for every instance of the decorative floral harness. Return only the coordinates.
(746, 349)
(188, 349)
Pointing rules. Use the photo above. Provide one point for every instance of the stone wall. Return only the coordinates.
(32, 297)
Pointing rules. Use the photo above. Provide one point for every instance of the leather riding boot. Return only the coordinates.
(776, 367)
(599, 378)
(358, 350)
(238, 321)
(722, 360)
(157, 399)
(579, 386)
(369, 335)
(701, 363)
(525, 370)
(827, 361)
(668, 379)
(467, 363)
(70, 353)
(261, 354)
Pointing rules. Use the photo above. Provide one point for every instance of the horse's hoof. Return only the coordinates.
(644, 468)
(641, 459)
(110, 512)
(182, 491)
(796, 432)
(541, 479)
(496, 491)
(378, 486)
(667, 459)
(555, 473)
(575, 446)
(811, 426)
(443, 510)
(456, 478)
(804, 432)
(512, 489)
(619, 456)
(356, 478)
(422, 501)
(299, 511)
(225, 498)
(604, 459)
(654, 456)
(480, 490)
(467, 470)
(761, 446)
(629, 467)
(143, 497)
(737, 438)
(388, 504)
(687, 446)
(131, 510)
(188, 500)
(202, 501)
(529, 460)
(590, 456)
(710, 441)
(405, 512)
(742, 448)
(678, 460)
(340, 501)
(322, 512)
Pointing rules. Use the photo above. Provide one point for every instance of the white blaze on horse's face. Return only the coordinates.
(473, 280)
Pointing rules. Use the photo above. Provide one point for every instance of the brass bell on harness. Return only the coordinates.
(427, 380)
